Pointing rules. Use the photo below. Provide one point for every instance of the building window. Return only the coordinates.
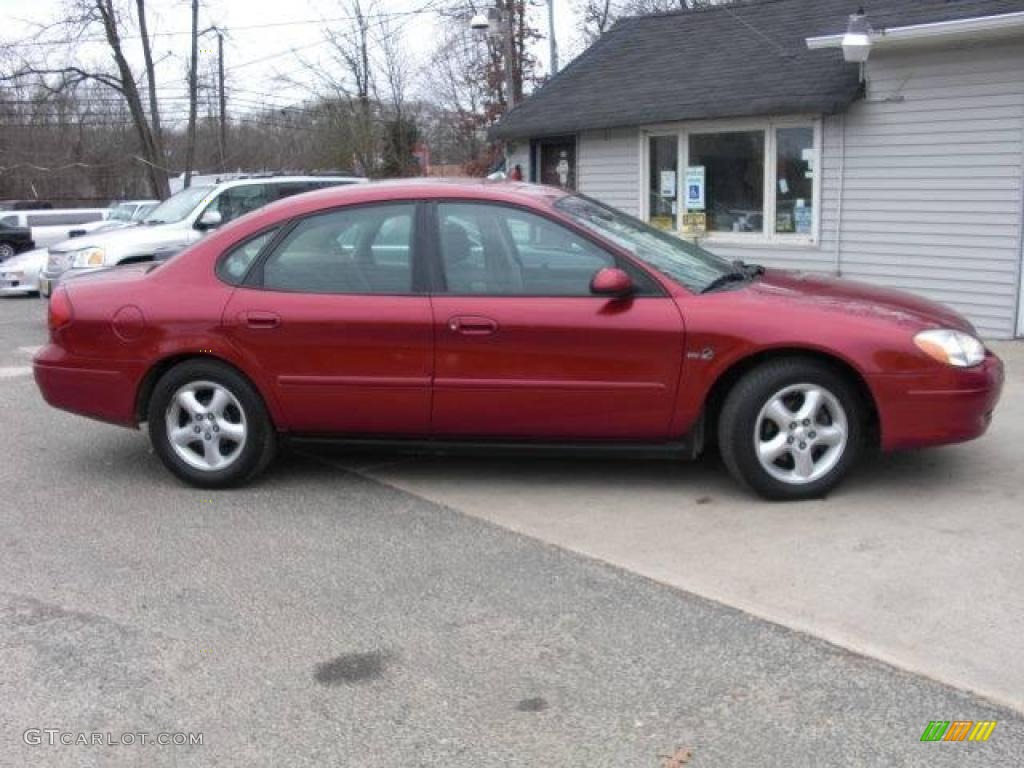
(734, 171)
(756, 180)
(794, 180)
(663, 181)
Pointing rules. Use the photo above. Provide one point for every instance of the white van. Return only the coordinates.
(50, 226)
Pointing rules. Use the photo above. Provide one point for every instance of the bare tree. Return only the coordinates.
(83, 16)
(147, 54)
(352, 83)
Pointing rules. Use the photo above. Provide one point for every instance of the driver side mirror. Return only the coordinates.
(209, 220)
(612, 282)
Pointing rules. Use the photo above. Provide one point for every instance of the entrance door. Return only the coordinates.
(525, 351)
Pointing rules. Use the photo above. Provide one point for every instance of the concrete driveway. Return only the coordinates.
(917, 560)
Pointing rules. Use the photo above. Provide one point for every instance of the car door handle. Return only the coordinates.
(473, 325)
(262, 320)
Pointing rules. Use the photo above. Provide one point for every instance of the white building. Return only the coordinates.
(908, 171)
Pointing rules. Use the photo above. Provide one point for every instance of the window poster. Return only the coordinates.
(695, 188)
(668, 184)
(804, 217)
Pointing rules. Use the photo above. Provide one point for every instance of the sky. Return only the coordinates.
(265, 40)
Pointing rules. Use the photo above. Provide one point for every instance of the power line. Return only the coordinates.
(427, 9)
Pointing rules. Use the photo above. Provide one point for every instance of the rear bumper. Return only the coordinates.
(953, 406)
(88, 387)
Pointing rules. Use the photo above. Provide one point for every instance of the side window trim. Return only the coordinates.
(420, 286)
(650, 286)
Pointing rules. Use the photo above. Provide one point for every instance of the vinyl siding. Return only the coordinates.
(608, 167)
(933, 192)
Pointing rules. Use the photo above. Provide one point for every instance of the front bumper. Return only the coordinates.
(952, 406)
(17, 285)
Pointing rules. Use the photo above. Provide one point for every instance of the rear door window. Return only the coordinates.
(359, 250)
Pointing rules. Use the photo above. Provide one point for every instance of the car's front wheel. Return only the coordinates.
(209, 426)
(791, 429)
(6, 251)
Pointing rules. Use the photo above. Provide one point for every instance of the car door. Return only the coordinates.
(335, 315)
(525, 351)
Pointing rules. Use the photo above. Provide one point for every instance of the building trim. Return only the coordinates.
(959, 28)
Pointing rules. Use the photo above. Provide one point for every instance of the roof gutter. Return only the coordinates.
(939, 30)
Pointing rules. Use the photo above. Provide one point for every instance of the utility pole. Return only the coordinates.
(552, 41)
(509, 39)
(499, 22)
(193, 95)
(223, 101)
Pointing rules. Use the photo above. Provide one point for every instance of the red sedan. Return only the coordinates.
(505, 315)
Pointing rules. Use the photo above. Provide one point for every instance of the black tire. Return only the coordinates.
(260, 443)
(738, 427)
(7, 250)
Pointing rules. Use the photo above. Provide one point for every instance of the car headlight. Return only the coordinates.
(88, 257)
(951, 347)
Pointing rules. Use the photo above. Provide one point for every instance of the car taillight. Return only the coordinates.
(60, 309)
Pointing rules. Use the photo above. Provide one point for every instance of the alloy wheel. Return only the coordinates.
(206, 426)
(800, 434)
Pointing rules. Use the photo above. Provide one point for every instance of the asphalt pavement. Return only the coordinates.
(324, 617)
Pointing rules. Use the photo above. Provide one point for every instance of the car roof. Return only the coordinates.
(429, 189)
(228, 183)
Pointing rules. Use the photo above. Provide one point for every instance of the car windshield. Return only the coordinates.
(121, 212)
(143, 211)
(177, 207)
(683, 262)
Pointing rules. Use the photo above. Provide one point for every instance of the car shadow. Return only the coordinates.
(705, 480)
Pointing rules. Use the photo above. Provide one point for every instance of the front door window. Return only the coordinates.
(490, 250)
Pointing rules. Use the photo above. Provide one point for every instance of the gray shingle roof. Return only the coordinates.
(735, 60)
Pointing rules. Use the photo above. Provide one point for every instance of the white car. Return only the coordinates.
(176, 223)
(19, 275)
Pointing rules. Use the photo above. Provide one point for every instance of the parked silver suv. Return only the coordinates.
(177, 222)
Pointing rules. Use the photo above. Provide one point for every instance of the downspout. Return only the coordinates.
(838, 265)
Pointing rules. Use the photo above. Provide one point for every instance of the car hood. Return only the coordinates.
(849, 297)
(128, 241)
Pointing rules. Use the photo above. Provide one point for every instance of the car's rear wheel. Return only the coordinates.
(209, 425)
(792, 429)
